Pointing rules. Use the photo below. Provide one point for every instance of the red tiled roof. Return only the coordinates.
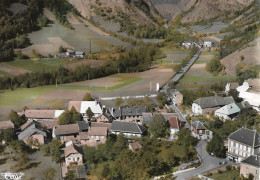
(174, 122)
(75, 104)
(67, 129)
(41, 114)
(6, 124)
(98, 131)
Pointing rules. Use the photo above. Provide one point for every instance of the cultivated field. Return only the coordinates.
(214, 27)
(197, 75)
(48, 40)
(8, 70)
(56, 97)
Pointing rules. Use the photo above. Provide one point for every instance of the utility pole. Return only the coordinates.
(90, 46)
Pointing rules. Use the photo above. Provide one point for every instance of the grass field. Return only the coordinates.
(5, 74)
(166, 61)
(24, 95)
(38, 65)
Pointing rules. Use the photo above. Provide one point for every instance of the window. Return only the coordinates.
(69, 159)
(78, 158)
(200, 131)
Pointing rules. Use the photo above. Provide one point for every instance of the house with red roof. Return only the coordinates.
(175, 126)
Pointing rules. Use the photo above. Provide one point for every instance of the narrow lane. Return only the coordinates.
(182, 71)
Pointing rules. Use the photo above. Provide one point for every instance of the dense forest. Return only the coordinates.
(113, 160)
(135, 60)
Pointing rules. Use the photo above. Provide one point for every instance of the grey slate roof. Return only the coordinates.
(198, 125)
(127, 127)
(214, 101)
(83, 126)
(147, 117)
(246, 136)
(129, 111)
(253, 160)
(30, 130)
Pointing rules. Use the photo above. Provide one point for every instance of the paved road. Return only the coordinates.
(209, 163)
(182, 71)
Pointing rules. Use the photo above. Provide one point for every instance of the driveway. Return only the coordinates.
(209, 163)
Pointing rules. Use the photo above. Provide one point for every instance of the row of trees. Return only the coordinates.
(135, 60)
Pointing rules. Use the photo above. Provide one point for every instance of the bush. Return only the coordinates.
(228, 168)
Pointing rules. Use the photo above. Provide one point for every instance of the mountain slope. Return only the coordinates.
(171, 8)
(204, 10)
(112, 9)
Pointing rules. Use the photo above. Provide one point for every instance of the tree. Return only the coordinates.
(71, 175)
(87, 97)
(158, 127)
(235, 95)
(162, 99)
(53, 149)
(49, 174)
(90, 114)
(69, 117)
(186, 138)
(119, 102)
(216, 146)
(9, 135)
(16, 119)
(214, 66)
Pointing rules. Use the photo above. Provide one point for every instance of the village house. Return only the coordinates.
(79, 54)
(228, 112)
(175, 126)
(6, 125)
(134, 146)
(104, 118)
(73, 155)
(129, 129)
(42, 114)
(147, 117)
(210, 104)
(207, 44)
(70, 53)
(250, 165)
(96, 136)
(82, 107)
(199, 131)
(34, 134)
(250, 91)
(175, 97)
(129, 113)
(70, 132)
(242, 144)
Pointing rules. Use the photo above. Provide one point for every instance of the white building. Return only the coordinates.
(82, 107)
(206, 105)
(228, 112)
(249, 91)
(129, 129)
(207, 44)
(242, 144)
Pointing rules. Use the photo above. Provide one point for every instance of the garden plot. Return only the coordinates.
(172, 57)
(214, 27)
